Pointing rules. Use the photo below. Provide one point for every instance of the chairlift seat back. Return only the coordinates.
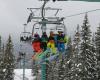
(25, 36)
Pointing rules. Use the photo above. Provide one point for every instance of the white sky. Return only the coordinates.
(14, 13)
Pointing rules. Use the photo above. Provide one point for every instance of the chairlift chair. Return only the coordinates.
(25, 36)
(60, 27)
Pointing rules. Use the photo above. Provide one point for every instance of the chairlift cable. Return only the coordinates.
(82, 13)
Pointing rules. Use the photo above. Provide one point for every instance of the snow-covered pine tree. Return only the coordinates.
(3, 48)
(87, 58)
(1, 68)
(54, 72)
(49, 71)
(71, 65)
(62, 66)
(76, 40)
(97, 42)
(1, 61)
(93, 49)
(9, 61)
(0, 44)
(35, 70)
(69, 44)
(61, 69)
(69, 51)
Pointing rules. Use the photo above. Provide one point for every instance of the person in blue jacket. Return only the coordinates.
(61, 40)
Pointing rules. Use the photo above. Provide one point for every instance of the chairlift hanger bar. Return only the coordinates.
(57, 21)
(50, 22)
(26, 32)
(47, 18)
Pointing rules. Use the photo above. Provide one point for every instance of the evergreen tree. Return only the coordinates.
(61, 69)
(54, 70)
(73, 62)
(76, 39)
(0, 44)
(63, 66)
(1, 62)
(83, 60)
(69, 45)
(1, 69)
(87, 58)
(97, 42)
(9, 61)
(35, 70)
(50, 71)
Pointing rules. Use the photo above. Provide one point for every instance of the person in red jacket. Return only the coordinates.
(36, 43)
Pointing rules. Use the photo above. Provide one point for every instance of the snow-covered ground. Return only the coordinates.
(19, 74)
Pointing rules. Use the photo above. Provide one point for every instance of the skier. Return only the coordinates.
(37, 44)
(55, 38)
(61, 40)
(44, 40)
(51, 43)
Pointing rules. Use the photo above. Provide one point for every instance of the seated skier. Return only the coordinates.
(36, 43)
(61, 40)
(51, 43)
(55, 38)
(44, 40)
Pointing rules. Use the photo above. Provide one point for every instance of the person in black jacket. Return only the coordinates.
(44, 40)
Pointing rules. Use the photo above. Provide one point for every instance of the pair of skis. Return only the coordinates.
(39, 57)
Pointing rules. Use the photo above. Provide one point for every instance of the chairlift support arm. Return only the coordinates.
(47, 8)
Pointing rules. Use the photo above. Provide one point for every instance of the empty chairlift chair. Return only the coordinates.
(25, 36)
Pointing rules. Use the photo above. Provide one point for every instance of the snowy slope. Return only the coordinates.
(19, 74)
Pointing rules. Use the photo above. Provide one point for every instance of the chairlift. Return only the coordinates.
(60, 27)
(56, 28)
(25, 36)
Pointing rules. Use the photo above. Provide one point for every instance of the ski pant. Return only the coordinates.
(61, 47)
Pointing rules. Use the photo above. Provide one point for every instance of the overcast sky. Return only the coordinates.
(14, 13)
